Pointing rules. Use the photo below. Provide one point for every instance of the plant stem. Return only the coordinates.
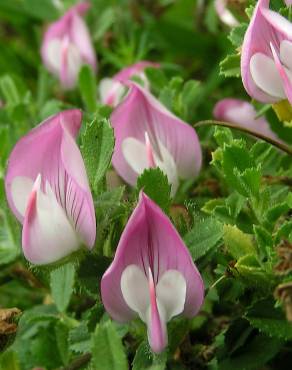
(285, 148)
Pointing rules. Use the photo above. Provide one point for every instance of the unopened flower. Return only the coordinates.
(244, 115)
(47, 190)
(113, 89)
(67, 46)
(152, 276)
(266, 66)
(148, 135)
(225, 14)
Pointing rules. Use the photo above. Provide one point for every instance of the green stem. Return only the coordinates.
(285, 148)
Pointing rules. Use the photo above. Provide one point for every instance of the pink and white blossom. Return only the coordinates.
(244, 115)
(152, 275)
(148, 135)
(266, 56)
(47, 190)
(225, 14)
(67, 46)
(113, 89)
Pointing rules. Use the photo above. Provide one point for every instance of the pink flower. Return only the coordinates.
(148, 135)
(47, 190)
(113, 89)
(67, 46)
(243, 114)
(153, 275)
(266, 59)
(225, 14)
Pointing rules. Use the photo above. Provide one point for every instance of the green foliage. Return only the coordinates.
(62, 282)
(204, 236)
(154, 183)
(97, 148)
(237, 243)
(235, 217)
(107, 351)
(230, 66)
(270, 320)
(87, 86)
(146, 360)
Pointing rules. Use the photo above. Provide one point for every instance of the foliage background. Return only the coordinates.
(235, 218)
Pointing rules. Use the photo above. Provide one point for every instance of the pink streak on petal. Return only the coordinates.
(150, 240)
(149, 151)
(64, 75)
(157, 336)
(285, 79)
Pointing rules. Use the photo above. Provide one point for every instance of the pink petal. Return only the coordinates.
(80, 37)
(140, 112)
(225, 14)
(243, 114)
(126, 73)
(150, 240)
(50, 150)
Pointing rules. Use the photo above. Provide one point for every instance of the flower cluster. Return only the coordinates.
(152, 274)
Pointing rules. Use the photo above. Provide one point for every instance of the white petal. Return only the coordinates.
(111, 91)
(48, 235)
(134, 286)
(168, 166)
(171, 294)
(54, 52)
(266, 75)
(286, 54)
(74, 62)
(135, 154)
(20, 190)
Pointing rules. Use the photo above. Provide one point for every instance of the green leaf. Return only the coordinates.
(157, 79)
(87, 86)
(97, 148)
(237, 243)
(107, 350)
(80, 339)
(253, 355)
(204, 236)
(239, 170)
(145, 359)
(9, 250)
(270, 320)
(155, 184)
(103, 23)
(237, 34)
(43, 10)
(230, 66)
(9, 361)
(62, 282)
(253, 275)
(264, 240)
(61, 332)
(223, 135)
(9, 90)
(189, 95)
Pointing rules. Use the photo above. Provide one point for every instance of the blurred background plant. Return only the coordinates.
(235, 217)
